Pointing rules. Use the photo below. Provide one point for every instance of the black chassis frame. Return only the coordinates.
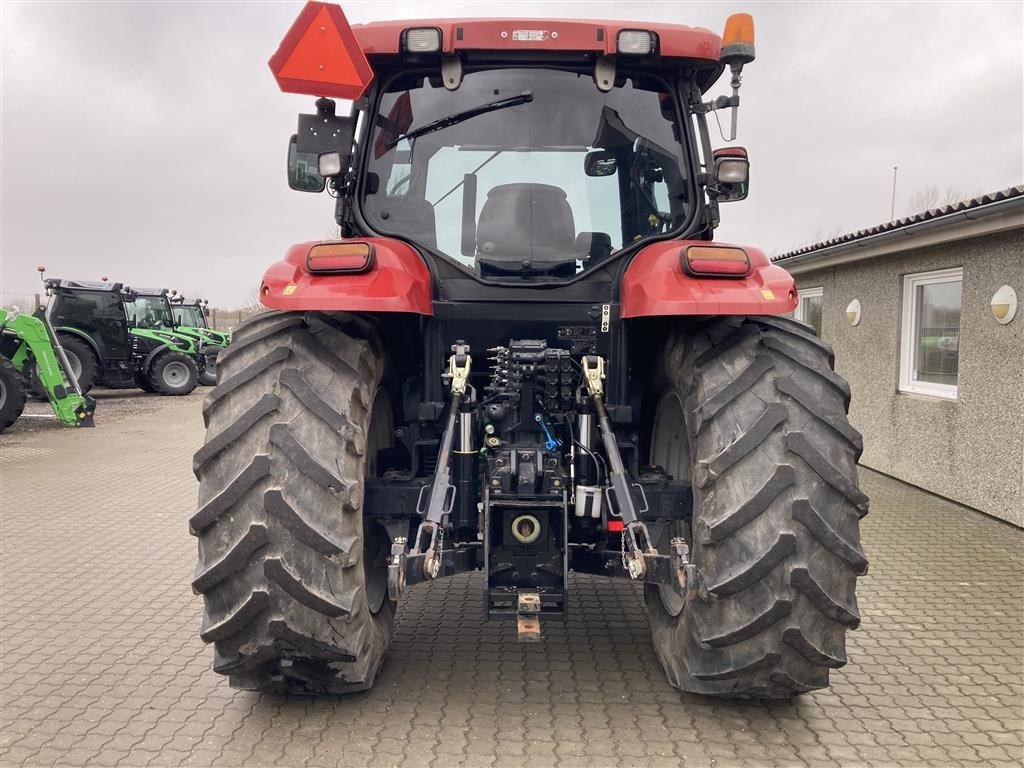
(484, 313)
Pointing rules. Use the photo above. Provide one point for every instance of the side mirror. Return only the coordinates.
(303, 169)
(732, 174)
(600, 162)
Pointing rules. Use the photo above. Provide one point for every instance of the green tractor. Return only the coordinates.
(29, 350)
(195, 314)
(190, 319)
(151, 310)
(115, 338)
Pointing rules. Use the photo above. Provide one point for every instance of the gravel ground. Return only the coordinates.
(101, 663)
(112, 406)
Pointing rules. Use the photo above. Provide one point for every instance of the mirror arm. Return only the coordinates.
(704, 179)
(342, 188)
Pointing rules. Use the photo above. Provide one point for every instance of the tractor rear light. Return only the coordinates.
(715, 261)
(339, 258)
(616, 526)
(637, 42)
(422, 40)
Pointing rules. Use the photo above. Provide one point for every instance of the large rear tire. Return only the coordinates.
(143, 383)
(12, 393)
(752, 413)
(82, 360)
(173, 373)
(208, 371)
(290, 577)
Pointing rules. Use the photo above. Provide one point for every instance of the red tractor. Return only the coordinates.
(525, 355)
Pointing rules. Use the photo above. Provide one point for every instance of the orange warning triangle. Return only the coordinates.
(320, 55)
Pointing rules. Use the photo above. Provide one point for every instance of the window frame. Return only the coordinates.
(809, 293)
(908, 352)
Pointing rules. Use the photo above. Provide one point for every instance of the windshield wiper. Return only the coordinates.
(460, 117)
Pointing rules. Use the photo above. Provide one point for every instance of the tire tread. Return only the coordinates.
(774, 536)
(279, 518)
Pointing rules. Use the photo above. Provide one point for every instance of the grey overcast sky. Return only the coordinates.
(146, 141)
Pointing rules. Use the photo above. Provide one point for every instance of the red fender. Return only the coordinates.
(397, 281)
(655, 284)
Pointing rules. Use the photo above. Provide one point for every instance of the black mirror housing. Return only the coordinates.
(323, 141)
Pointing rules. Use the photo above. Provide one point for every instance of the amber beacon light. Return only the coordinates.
(738, 39)
(737, 50)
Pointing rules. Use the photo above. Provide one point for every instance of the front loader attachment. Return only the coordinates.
(37, 350)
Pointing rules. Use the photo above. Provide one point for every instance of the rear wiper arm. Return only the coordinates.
(460, 117)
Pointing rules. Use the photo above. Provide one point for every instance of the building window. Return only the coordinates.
(930, 343)
(808, 310)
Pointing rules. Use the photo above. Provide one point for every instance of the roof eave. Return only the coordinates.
(998, 216)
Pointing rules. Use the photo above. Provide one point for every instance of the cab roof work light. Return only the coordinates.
(320, 56)
(422, 40)
(636, 42)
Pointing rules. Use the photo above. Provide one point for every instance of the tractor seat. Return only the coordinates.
(525, 222)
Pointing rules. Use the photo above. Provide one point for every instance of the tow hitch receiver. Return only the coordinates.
(528, 617)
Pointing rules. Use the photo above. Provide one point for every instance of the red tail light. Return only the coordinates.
(339, 258)
(715, 261)
(616, 526)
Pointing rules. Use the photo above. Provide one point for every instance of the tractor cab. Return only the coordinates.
(191, 314)
(193, 317)
(152, 309)
(527, 153)
(95, 313)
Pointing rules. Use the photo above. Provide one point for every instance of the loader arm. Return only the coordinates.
(38, 346)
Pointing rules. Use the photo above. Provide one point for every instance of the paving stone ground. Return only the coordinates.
(101, 663)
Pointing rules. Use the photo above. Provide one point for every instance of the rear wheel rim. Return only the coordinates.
(175, 374)
(670, 450)
(670, 447)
